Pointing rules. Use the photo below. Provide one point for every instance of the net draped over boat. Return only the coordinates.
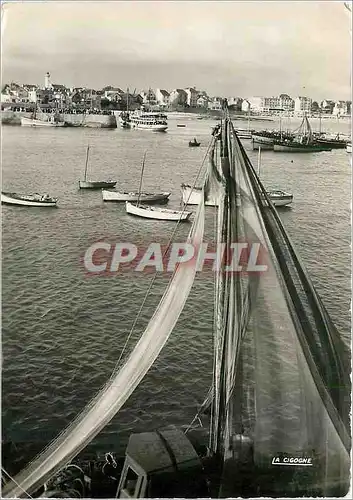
(281, 390)
(121, 385)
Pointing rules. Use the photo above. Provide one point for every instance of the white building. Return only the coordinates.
(162, 97)
(215, 103)
(302, 105)
(178, 97)
(47, 82)
(191, 97)
(342, 108)
(245, 106)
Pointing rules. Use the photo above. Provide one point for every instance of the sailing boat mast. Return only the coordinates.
(87, 154)
(259, 162)
(143, 168)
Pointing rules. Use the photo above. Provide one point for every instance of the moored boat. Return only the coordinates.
(298, 147)
(36, 122)
(120, 196)
(304, 141)
(144, 120)
(243, 133)
(332, 143)
(28, 200)
(85, 184)
(194, 143)
(157, 212)
(279, 198)
(256, 144)
(52, 120)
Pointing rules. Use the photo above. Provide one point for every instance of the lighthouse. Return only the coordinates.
(47, 82)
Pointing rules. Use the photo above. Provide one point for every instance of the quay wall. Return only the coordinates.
(74, 120)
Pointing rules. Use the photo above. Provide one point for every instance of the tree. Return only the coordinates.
(314, 107)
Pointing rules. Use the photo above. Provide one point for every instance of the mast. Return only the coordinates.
(143, 167)
(259, 162)
(86, 162)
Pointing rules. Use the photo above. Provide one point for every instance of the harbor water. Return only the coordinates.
(63, 330)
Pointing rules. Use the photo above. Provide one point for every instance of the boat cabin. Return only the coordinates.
(161, 464)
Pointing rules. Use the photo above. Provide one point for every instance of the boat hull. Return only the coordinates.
(152, 128)
(265, 146)
(142, 197)
(332, 144)
(299, 148)
(14, 199)
(30, 122)
(96, 184)
(260, 139)
(157, 213)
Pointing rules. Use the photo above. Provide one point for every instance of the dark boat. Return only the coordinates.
(194, 143)
(276, 419)
(334, 143)
(302, 142)
(85, 184)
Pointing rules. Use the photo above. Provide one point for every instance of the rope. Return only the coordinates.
(12, 479)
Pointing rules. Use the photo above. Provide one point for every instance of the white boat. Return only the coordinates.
(110, 195)
(35, 122)
(153, 212)
(157, 212)
(46, 121)
(279, 198)
(349, 147)
(28, 200)
(144, 120)
(243, 134)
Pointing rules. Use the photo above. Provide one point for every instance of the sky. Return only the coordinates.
(230, 48)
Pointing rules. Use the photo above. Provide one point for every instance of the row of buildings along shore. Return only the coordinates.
(71, 100)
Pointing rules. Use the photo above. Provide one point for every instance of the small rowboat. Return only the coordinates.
(28, 200)
(156, 212)
(194, 144)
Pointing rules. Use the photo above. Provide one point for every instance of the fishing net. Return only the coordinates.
(281, 410)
